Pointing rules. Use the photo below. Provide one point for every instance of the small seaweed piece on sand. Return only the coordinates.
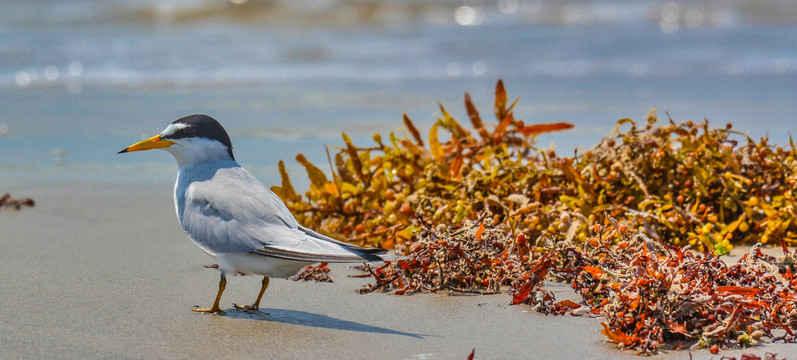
(472, 354)
(317, 273)
(7, 202)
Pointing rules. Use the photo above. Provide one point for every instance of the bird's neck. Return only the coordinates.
(205, 163)
(199, 152)
(193, 171)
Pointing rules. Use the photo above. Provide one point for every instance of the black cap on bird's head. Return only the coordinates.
(189, 127)
(200, 126)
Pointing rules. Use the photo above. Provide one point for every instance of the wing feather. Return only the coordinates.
(361, 249)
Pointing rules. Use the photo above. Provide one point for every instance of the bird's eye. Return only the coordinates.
(190, 132)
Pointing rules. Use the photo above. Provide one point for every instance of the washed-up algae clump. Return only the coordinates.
(8, 202)
(635, 224)
(651, 295)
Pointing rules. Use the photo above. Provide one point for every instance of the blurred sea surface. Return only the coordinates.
(80, 80)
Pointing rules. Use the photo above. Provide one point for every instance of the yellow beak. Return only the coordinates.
(154, 142)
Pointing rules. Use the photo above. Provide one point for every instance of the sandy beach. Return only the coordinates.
(100, 268)
(104, 271)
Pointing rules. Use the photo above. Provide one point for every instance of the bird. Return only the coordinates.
(236, 219)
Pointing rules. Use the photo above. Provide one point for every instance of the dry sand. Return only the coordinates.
(104, 271)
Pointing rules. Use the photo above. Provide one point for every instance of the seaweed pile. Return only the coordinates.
(679, 183)
(375, 191)
(651, 295)
(636, 224)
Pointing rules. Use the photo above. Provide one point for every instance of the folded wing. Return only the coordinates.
(233, 212)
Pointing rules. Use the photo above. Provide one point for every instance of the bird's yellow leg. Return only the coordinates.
(256, 304)
(215, 308)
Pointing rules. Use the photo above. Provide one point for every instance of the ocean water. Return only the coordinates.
(80, 80)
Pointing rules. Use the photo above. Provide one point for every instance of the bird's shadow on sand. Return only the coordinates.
(296, 317)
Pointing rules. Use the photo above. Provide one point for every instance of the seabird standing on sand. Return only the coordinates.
(242, 224)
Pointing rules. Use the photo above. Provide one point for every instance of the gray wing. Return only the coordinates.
(234, 213)
(353, 253)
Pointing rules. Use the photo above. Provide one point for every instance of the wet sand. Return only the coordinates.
(104, 271)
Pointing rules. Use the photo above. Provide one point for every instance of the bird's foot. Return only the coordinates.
(247, 308)
(212, 310)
